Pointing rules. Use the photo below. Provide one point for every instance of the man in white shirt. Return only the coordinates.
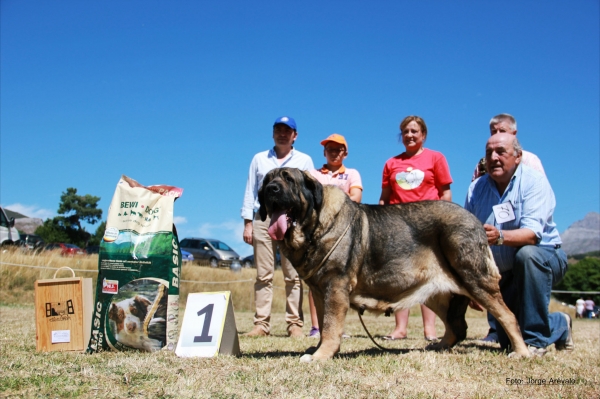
(506, 123)
(283, 154)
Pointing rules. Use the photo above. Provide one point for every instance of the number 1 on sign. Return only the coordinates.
(207, 311)
(203, 323)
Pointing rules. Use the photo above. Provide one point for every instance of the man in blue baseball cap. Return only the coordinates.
(286, 120)
(283, 154)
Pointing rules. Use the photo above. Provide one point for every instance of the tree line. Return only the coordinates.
(581, 276)
(73, 210)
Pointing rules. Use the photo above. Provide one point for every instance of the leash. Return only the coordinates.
(360, 312)
(313, 271)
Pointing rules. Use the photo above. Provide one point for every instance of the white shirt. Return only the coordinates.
(263, 163)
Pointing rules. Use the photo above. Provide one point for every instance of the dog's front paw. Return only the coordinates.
(306, 358)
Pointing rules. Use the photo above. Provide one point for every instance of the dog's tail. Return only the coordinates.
(492, 268)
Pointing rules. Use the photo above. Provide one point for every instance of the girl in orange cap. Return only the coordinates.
(335, 149)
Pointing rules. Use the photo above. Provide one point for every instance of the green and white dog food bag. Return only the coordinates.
(139, 269)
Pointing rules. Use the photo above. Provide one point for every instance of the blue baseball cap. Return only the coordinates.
(286, 120)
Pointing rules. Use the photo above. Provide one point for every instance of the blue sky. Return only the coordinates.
(185, 93)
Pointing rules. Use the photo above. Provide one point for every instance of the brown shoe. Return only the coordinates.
(295, 332)
(256, 332)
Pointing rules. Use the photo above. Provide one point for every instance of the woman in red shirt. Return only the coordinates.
(415, 175)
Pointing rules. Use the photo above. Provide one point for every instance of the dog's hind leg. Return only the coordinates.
(451, 310)
(479, 275)
(456, 316)
(496, 306)
(487, 294)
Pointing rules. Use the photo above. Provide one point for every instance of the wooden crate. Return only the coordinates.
(63, 313)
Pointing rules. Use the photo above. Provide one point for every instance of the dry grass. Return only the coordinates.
(270, 366)
(16, 283)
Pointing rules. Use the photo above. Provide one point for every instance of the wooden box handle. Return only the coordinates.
(64, 267)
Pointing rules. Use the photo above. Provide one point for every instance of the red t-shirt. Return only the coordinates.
(416, 178)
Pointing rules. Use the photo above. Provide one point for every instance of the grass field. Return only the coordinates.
(270, 366)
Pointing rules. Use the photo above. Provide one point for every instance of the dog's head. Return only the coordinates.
(288, 195)
(129, 314)
(139, 306)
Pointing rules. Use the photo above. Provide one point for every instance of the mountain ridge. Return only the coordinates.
(582, 236)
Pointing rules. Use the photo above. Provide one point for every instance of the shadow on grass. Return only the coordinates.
(479, 346)
(462, 348)
(372, 352)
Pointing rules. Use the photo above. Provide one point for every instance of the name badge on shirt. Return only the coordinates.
(504, 212)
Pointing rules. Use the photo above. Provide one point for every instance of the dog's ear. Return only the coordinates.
(142, 302)
(312, 190)
(111, 310)
(262, 211)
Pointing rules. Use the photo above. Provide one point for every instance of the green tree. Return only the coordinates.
(77, 208)
(73, 210)
(581, 276)
(51, 231)
(96, 239)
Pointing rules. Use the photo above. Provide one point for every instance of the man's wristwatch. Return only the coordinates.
(500, 239)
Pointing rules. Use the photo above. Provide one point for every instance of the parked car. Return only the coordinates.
(248, 261)
(216, 252)
(65, 249)
(9, 234)
(186, 256)
(30, 242)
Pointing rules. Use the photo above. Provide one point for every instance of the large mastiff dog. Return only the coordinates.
(382, 258)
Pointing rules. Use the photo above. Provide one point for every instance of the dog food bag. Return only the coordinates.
(139, 267)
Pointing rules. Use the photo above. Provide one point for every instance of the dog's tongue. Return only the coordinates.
(278, 225)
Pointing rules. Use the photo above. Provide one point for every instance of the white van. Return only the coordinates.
(8, 232)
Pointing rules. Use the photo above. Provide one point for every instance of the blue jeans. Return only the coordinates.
(589, 313)
(526, 291)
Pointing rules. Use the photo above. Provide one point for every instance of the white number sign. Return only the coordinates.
(208, 326)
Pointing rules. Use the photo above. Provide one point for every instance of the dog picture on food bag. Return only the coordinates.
(136, 317)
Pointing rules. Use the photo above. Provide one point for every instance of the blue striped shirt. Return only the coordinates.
(263, 163)
(533, 202)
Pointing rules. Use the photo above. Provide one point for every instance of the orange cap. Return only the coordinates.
(336, 138)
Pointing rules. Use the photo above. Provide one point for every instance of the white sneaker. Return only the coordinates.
(535, 351)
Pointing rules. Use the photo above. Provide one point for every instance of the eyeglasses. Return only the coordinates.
(335, 150)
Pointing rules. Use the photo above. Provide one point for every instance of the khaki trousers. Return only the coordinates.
(264, 259)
